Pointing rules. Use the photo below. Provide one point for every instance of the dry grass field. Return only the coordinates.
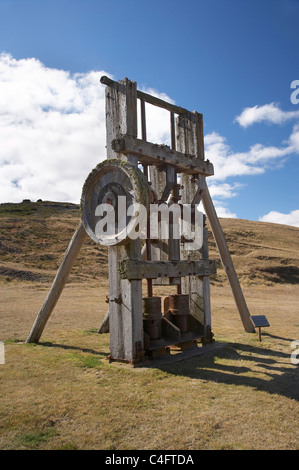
(62, 393)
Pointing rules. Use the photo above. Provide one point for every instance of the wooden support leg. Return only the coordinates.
(104, 327)
(227, 261)
(125, 308)
(58, 284)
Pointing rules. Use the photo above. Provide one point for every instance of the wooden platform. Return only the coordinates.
(174, 356)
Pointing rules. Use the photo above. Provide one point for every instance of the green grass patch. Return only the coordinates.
(86, 360)
(34, 440)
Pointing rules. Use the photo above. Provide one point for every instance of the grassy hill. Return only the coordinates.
(35, 235)
(63, 393)
(261, 252)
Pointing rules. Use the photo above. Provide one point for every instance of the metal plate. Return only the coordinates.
(259, 321)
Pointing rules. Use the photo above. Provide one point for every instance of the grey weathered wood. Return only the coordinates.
(190, 141)
(148, 98)
(164, 182)
(159, 248)
(227, 261)
(125, 296)
(154, 154)
(190, 134)
(206, 284)
(104, 328)
(58, 284)
(121, 116)
(138, 269)
(170, 330)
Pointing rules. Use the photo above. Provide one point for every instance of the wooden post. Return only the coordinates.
(190, 141)
(58, 284)
(125, 296)
(226, 260)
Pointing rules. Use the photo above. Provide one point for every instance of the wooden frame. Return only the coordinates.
(168, 261)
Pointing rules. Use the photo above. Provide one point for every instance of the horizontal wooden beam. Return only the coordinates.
(159, 155)
(149, 98)
(138, 269)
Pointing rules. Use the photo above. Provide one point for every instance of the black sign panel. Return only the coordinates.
(259, 320)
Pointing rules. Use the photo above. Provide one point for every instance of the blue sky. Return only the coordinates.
(232, 60)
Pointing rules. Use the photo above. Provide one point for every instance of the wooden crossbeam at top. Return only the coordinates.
(150, 98)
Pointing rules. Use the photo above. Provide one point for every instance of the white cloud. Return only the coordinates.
(53, 130)
(52, 134)
(279, 218)
(224, 212)
(256, 160)
(227, 163)
(224, 190)
(269, 113)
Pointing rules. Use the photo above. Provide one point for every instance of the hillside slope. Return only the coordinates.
(261, 252)
(35, 235)
(33, 240)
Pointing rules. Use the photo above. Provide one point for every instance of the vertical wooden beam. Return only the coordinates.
(121, 115)
(190, 141)
(158, 182)
(226, 260)
(58, 284)
(206, 285)
(125, 297)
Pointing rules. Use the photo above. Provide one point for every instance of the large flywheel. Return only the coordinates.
(114, 195)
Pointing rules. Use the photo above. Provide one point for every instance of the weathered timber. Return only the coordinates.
(125, 315)
(58, 284)
(170, 330)
(104, 327)
(146, 97)
(159, 155)
(190, 140)
(227, 261)
(138, 269)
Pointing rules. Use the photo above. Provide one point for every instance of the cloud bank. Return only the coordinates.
(268, 113)
(52, 129)
(52, 134)
(272, 114)
(279, 218)
(257, 160)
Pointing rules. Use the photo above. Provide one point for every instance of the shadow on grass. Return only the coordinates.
(262, 369)
(73, 348)
(280, 376)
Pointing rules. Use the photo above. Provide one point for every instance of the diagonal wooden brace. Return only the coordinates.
(226, 260)
(58, 284)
